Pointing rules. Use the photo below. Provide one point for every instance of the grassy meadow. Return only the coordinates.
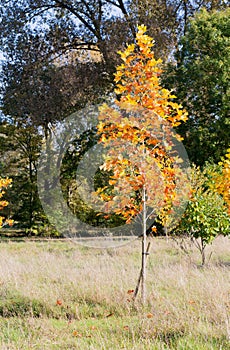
(58, 295)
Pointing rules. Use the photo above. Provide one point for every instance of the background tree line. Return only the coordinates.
(61, 55)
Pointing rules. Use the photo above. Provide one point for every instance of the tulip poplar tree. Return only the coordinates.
(138, 131)
(4, 183)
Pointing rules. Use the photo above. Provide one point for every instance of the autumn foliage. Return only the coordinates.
(138, 131)
(223, 183)
(4, 183)
(137, 81)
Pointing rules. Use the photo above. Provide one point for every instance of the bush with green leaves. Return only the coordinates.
(206, 215)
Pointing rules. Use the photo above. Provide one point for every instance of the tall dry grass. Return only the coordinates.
(184, 299)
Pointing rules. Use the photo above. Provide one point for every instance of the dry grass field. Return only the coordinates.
(58, 295)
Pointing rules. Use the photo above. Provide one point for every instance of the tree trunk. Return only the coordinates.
(203, 252)
(144, 249)
(140, 276)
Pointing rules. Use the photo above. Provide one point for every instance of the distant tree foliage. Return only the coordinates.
(19, 150)
(4, 183)
(60, 55)
(200, 78)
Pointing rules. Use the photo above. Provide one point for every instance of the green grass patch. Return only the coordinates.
(113, 333)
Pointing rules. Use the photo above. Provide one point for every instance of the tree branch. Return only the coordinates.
(121, 6)
(92, 17)
(32, 14)
(76, 13)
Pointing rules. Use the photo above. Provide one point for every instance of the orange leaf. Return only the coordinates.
(130, 291)
(10, 222)
(77, 334)
(112, 182)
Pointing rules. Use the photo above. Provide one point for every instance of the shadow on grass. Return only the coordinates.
(13, 304)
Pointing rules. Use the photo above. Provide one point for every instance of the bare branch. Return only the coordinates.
(121, 6)
(77, 14)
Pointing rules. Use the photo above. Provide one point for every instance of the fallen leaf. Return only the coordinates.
(130, 291)
(77, 334)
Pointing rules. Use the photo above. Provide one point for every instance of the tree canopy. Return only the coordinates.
(59, 54)
(201, 81)
(143, 163)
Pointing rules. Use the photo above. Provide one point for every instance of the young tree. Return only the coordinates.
(142, 157)
(206, 215)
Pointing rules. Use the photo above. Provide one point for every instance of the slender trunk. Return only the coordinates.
(31, 209)
(144, 248)
(203, 252)
(140, 276)
(47, 170)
